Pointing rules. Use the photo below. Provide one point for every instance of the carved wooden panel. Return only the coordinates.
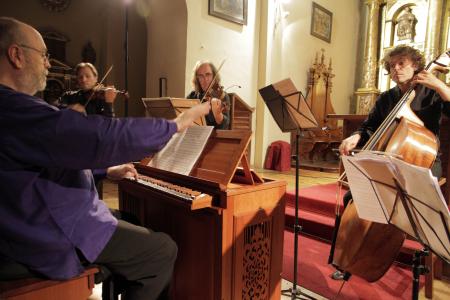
(256, 261)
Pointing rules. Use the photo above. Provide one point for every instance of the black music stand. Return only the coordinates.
(291, 112)
(390, 191)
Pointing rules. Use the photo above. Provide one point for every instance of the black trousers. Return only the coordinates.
(144, 258)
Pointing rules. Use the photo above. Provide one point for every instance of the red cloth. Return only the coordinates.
(278, 156)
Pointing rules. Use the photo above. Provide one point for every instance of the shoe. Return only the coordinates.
(337, 275)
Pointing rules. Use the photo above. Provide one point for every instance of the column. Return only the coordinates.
(367, 93)
(433, 35)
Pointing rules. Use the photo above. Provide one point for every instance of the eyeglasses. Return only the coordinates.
(204, 76)
(43, 53)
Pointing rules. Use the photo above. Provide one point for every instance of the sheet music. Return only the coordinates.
(372, 179)
(427, 203)
(183, 150)
(365, 195)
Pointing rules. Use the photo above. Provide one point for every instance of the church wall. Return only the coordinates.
(215, 39)
(291, 51)
(166, 23)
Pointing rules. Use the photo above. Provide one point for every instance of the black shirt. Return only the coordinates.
(95, 106)
(210, 120)
(427, 105)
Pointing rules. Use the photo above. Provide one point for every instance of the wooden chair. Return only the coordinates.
(317, 143)
(35, 288)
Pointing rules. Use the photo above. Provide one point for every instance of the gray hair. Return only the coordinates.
(198, 64)
(10, 33)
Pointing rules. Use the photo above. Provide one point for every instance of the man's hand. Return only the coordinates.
(349, 143)
(110, 94)
(427, 79)
(187, 118)
(121, 171)
(216, 108)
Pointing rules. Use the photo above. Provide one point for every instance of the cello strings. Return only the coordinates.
(389, 120)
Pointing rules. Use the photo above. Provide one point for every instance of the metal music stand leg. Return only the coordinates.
(418, 269)
(295, 290)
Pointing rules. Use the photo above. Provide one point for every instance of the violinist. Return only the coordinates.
(202, 76)
(89, 99)
(406, 68)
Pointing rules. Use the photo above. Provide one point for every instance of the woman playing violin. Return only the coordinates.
(202, 76)
(90, 99)
(406, 67)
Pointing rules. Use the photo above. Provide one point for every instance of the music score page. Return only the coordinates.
(378, 183)
(183, 150)
(361, 171)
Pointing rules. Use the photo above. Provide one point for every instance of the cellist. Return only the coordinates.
(406, 68)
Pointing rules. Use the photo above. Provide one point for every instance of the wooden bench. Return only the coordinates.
(76, 288)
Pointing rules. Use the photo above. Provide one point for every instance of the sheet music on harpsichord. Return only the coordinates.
(183, 150)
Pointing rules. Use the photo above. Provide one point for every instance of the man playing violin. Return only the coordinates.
(202, 76)
(406, 67)
(90, 99)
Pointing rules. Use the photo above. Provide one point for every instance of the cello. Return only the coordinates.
(368, 249)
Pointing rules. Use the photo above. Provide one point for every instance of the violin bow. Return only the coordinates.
(212, 81)
(98, 84)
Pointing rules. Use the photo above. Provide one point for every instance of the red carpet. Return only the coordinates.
(319, 199)
(317, 206)
(313, 274)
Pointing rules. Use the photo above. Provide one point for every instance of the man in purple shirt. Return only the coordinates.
(51, 218)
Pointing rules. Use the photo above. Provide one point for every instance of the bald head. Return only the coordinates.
(10, 32)
(23, 57)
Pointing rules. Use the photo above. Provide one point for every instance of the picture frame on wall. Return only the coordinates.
(321, 22)
(230, 10)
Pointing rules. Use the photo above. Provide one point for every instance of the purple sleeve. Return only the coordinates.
(48, 137)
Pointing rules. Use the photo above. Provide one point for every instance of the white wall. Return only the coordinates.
(292, 49)
(215, 39)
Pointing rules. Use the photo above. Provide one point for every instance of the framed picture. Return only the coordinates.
(231, 10)
(321, 22)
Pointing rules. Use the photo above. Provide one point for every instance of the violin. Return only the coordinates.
(215, 90)
(100, 92)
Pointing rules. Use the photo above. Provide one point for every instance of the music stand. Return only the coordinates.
(170, 108)
(388, 190)
(291, 112)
